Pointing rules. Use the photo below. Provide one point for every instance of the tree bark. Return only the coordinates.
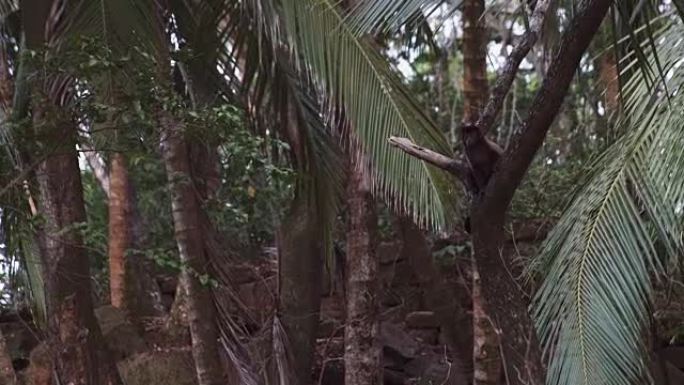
(7, 374)
(300, 280)
(132, 285)
(362, 349)
(142, 289)
(485, 353)
(189, 238)
(76, 341)
(475, 86)
(608, 79)
(119, 241)
(453, 319)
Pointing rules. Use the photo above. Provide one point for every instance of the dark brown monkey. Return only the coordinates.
(482, 155)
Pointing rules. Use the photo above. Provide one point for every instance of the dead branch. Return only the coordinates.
(436, 159)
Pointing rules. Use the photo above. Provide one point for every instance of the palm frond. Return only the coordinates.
(118, 23)
(354, 75)
(390, 15)
(7, 7)
(592, 307)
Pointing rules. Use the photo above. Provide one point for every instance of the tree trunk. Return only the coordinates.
(132, 285)
(608, 79)
(189, 238)
(204, 161)
(78, 349)
(119, 241)
(300, 275)
(142, 289)
(362, 349)
(507, 303)
(453, 319)
(486, 358)
(475, 87)
(7, 375)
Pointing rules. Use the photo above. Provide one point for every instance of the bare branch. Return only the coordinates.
(510, 69)
(436, 159)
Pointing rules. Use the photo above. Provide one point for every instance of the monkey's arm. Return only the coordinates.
(453, 166)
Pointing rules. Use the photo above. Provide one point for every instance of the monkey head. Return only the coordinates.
(470, 134)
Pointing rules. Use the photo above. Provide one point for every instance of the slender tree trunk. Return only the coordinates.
(132, 285)
(486, 358)
(119, 241)
(475, 87)
(189, 237)
(142, 289)
(440, 299)
(204, 160)
(300, 275)
(7, 375)
(79, 352)
(608, 78)
(362, 349)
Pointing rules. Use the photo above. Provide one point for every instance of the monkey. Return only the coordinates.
(482, 155)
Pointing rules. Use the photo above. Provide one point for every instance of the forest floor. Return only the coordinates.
(414, 346)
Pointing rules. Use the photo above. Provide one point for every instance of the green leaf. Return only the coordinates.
(592, 307)
(377, 105)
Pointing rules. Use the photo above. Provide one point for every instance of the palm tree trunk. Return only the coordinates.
(362, 350)
(300, 280)
(132, 285)
(7, 375)
(119, 240)
(486, 358)
(608, 78)
(189, 237)
(77, 346)
(475, 87)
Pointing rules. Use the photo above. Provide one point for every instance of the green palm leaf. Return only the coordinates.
(592, 307)
(390, 15)
(378, 106)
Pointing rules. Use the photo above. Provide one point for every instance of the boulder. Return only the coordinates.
(430, 368)
(169, 367)
(389, 252)
(398, 346)
(427, 336)
(20, 340)
(121, 336)
(39, 371)
(422, 320)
